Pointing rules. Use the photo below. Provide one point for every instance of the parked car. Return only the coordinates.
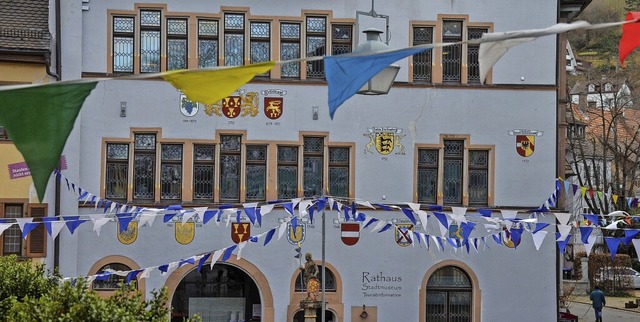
(620, 276)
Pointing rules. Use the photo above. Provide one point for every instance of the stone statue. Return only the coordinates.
(310, 272)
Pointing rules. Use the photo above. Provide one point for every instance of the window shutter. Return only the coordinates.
(37, 239)
(1, 236)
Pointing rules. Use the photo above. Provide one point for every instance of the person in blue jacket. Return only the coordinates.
(598, 302)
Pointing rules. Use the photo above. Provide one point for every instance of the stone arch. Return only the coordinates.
(117, 259)
(266, 297)
(475, 289)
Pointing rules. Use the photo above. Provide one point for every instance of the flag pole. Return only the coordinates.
(322, 314)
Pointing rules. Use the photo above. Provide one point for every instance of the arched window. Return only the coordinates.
(449, 295)
(112, 282)
(330, 285)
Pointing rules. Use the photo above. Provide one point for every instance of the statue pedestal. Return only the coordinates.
(310, 309)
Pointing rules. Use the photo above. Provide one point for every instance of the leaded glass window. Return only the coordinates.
(330, 285)
(144, 164)
(176, 44)
(473, 74)
(150, 41)
(451, 55)
(117, 171)
(290, 48)
(287, 172)
(203, 172)
(256, 177)
(260, 46)
(112, 281)
(341, 39)
(313, 150)
(427, 175)
(478, 177)
(449, 296)
(171, 172)
(230, 149)
(123, 34)
(207, 43)
(339, 171)
(453, 169)
(422, 61)
(12, 236)
(316, 31)
(233, 39)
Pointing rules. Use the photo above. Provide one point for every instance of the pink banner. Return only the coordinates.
(20, 169)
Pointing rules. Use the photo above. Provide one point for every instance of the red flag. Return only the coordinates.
(630, 36)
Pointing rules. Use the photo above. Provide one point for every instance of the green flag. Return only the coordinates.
(38, 120)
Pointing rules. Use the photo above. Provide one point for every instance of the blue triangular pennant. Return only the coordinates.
(269, 236)
(612, 243)
(585, 232)
(409, 214)
(228, 252)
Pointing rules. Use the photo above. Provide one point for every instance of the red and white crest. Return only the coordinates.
(350, 233)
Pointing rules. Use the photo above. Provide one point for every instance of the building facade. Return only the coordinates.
(439, 141)
(25, 58)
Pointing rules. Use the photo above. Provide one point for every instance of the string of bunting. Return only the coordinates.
(505, 231)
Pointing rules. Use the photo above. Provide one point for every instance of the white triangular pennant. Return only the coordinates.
(563, 217)
(424, 217)
(538, 237)
(216, 255)
(22, 221)
(564, 231)
(98, 223)
(4, 226)
(240, 247)
(282, 229)
(366, 204)
(265, 209)
(509, 214)
(591, 242)
(413, 206)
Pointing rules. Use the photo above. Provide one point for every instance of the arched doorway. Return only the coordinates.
(328, 317)
(449, 296)
(221, 293)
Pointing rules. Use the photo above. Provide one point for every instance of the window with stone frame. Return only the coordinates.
(177, 44)
(473, 54)
(341, 39)
(287, 172)
(150, 41)
(422, 62)
(290, 48)
(11, 241)
(312, 165)
(316, 44)
(230, 167)
(234, 29)
(452, 54)
(123, 43)
(110, 282)
(208, 45)
(260, 42)
(171, 172)
(144, 165)
(203, 172)
(339, 171)
(117, 171)
(256, 173)
(440, 172)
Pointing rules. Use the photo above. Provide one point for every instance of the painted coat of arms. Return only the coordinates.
(385, 140)
(525, 141)
(297, 235)
(403, 235)
(185, 233)
(350, 233)
(240, 232)
(273, 107)
(130, 235)
(188, 108)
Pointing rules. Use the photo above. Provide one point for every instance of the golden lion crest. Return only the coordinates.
(249, 105)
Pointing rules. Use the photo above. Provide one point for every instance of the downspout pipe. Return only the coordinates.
(58, 76)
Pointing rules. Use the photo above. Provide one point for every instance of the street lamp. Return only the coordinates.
(381, 83)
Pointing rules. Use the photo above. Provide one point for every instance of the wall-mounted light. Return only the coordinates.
(364, 313)
(314, 108)
(123, 109)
